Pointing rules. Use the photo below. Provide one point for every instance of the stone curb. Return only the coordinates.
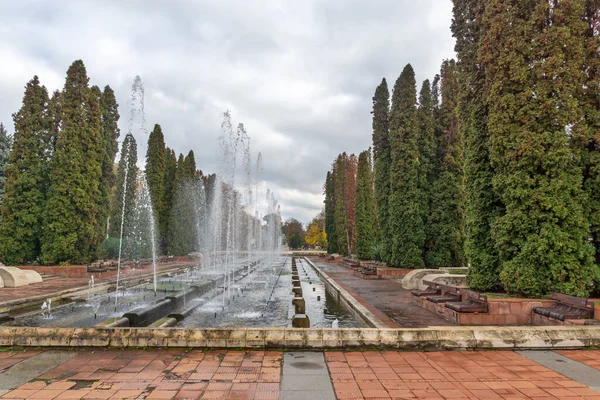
(441, 338)
(346, 299)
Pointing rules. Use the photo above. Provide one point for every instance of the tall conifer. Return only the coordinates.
(71, 225)
(406, 215)
(5, 147)
(534, 63)
(330, 213)
(169, 194)
(110, 147)
(428, 148)
(482, 204)
(156, 169)
(124, 188)
(382, 165)
(446, 216)
(24, 200)
(587, 134)
(366, 223)
(340, 212)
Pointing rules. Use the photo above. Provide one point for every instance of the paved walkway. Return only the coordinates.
(225, 374)
(58, 285)
(385, 295)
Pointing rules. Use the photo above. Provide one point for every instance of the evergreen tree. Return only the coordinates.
(330, 213)
(586, 138)
(365, 208)
(156, 169)
(26, 179)
(189, 165)
(534, 67)
(169, 194)
(182, 225)
(71, 225)
(482, 204)
(54, 115)
(5, 146)
(428, 148)
(110, 134)
(382, 166)
(125, 185)
(340, 212)
(406, 215)
(445, 221)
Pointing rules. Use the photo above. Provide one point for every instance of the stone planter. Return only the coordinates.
(597, 310)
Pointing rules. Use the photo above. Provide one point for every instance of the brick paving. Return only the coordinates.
(164, 374)
(591, 358)
(227, 374)
(385, 295)
(448, 375)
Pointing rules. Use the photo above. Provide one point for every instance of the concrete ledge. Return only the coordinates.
(432, 339)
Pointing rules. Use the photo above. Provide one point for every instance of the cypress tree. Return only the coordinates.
(127, 162)
(586, 138)
(482, 204)
(169, 194)
(445, 222)
(365, 208)
(428, 148)
(110, 146)
(71, 226)
(330, 213)
(189, 165)
(5, 146)
(26, 179)
(341, 222)
(406, 215)
(382, 166)
(156, 169)
(534, 73)
(181, 222)
(54, 120)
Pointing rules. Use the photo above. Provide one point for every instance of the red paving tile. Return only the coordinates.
(164, 374)
(452, 375)
(172, 374)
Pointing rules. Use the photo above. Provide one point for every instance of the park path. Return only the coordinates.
(54, 286)
(230, 374)
(385, 295)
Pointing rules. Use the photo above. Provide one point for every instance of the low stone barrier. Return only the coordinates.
(500, 311)
(440, 338)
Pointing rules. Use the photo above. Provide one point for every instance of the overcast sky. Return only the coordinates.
(300, 74)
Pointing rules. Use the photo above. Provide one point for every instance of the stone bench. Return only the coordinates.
(433, 289)
(567, 307)
(449, 293)
(473, 302)
(444, 279)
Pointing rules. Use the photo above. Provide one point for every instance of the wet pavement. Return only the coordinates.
(228, 374)
(384, 295)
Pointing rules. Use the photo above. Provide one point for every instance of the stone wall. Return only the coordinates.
(500, 311)
(442, 338)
